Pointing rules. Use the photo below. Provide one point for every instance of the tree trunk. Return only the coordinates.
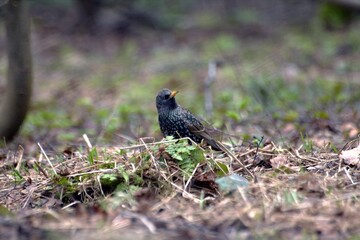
(16, 100)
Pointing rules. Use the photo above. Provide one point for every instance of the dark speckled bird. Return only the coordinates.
(178, 122)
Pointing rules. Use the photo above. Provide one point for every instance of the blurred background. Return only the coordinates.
(285, 70)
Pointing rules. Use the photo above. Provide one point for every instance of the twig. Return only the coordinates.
(257, 148)
(151, 226)
(235, 158)
(87, 140)
(185, 194)
(158, 205)
(71, 204)
(93, 172)
(297, 154)
(348, 175)
(18, 157)
(192, 175)
(100, 186)
(340, 163)
(32, 190)
(85, 192)
(43, 152)
(242, 194)
(41, 169)
(155, 143)
(146, 221)
(151, 155)
(352, 185)
(248, 152)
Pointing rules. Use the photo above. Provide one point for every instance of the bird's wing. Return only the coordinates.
(198, 129)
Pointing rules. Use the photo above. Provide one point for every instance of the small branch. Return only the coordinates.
(235, 158)
(348, 175)
(43, 152)
(18, 157)
(41, 169)
(192, 175)
(151, 155)
(87, 140)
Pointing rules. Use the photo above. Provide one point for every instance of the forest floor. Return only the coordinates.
(90, 161)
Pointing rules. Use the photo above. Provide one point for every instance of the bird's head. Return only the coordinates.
(166, 99)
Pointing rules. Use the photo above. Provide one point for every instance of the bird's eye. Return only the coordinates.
(167, 96)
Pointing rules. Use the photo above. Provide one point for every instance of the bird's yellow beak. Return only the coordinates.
(173, 94)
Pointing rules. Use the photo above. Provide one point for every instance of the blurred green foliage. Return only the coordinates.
(116, 90)
(335, 15)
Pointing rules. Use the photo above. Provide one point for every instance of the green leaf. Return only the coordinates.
(109, 177)
(233, 115)
(169, 138)
(188, 156)
(125, 175)
(93, 154)
(198, 155)
(18, 177)
(222, 169)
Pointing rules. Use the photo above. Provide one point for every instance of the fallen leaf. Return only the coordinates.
(352, 156)
(349, 130)
(278, 161)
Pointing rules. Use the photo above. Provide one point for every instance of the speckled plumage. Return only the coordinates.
(179, 122)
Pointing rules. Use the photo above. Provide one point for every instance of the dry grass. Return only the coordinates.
(295, 195)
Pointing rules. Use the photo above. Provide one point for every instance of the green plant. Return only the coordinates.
(258, 141)
(17, 176)
(123, 177)
(291, 197)
(187, 156)
(93, 155)
(220, 168)
(124, 194)
(334, 16)
(307, 143)
(109, 178)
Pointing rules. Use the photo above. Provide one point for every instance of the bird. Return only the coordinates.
(178, 122)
